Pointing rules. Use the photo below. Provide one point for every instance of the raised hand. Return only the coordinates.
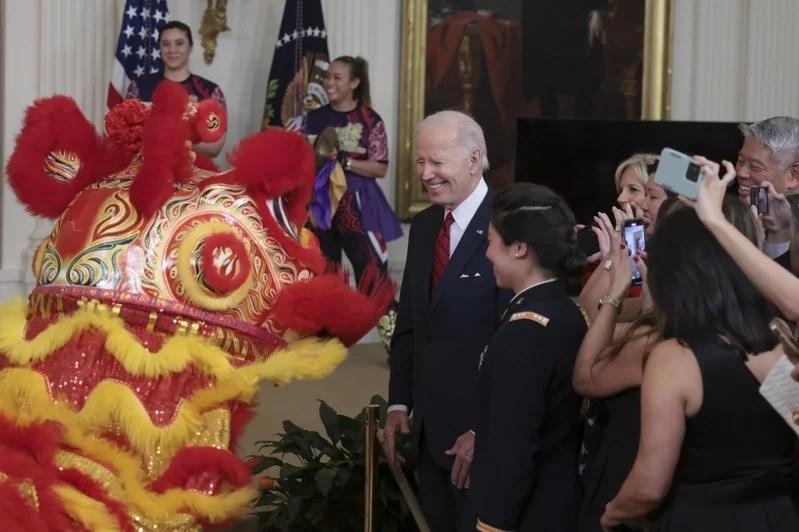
(711, 190)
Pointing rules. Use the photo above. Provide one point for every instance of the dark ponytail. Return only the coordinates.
(359, 69)
(535, 215)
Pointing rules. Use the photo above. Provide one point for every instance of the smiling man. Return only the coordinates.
(448, 310)
(770, 152)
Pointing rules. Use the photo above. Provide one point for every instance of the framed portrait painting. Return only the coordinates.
(501, 60)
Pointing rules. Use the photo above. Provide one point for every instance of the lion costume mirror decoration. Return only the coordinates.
(166, 291)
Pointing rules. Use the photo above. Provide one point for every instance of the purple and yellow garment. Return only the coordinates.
(329, 187)
(361, 136)
(198, 87)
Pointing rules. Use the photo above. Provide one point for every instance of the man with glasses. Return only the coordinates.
(770, 154)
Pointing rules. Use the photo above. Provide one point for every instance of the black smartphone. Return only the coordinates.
(635, 239)
(758, 196)
(587, 241)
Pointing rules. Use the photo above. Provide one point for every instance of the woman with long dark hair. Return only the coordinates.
(527, 433)
(610, 364)
(363, 221)
(712, 450)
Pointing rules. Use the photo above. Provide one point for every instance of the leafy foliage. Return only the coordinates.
(326, 490)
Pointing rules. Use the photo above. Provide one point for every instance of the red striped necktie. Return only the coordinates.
(441, 255)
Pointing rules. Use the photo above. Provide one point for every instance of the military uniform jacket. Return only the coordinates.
(527, 431)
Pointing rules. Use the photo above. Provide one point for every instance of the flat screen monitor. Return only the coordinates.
(577, 158)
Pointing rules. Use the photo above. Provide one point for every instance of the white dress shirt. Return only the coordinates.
(464, 213)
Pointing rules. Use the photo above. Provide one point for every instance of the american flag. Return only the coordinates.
(298, 66)
(137, 48)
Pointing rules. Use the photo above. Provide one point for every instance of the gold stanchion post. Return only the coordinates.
(370, 458)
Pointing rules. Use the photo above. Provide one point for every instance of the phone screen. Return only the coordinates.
(758, 196)
(635, 239)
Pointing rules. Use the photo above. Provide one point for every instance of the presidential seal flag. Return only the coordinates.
(298, 65)
(137, 51)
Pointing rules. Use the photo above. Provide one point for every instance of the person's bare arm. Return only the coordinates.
(211, 149)
(368, 168)
(672, 381)
(776, 283)
(597, 376)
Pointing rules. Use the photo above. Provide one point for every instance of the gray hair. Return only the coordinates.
(638, 162)
(780, 134)
(470, 134)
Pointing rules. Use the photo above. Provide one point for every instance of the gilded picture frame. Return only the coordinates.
(411, 197)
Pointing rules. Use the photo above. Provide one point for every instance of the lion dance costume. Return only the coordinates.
(166, 291)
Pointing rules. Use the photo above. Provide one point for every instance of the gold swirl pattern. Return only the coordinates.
(119, 250)
(48, 263)
(62, 165)
(95, 267)
(119, 218)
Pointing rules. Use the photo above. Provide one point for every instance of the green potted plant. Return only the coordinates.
(313, 482)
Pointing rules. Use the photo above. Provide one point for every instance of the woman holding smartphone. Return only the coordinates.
(610, 366)
(713, 454)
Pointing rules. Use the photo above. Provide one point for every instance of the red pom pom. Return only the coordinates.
(58, 154)
(225, 262)
(277, 163)
(124, 126)
(315, 306)
(210, 122)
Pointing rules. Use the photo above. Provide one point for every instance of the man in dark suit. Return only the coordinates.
(448, 310)
(770, 154)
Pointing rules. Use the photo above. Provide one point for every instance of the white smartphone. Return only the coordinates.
(678, 173)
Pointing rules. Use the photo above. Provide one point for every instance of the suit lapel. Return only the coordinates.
(473, 238)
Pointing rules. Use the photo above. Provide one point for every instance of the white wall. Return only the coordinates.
(735, 59)
(732, 60)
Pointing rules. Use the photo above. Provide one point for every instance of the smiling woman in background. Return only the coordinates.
(175, 42)
(364, 221)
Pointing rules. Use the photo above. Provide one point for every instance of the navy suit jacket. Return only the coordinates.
(438, 338)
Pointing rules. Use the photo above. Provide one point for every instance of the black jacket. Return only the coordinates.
(438, 338)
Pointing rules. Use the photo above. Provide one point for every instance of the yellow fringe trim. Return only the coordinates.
(196, 293)
(113, 406)
(175, 354)
(309, 358)
(24, 397)
(131, 489)
(93, 515)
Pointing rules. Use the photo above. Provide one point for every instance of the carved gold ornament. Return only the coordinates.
(214, 22)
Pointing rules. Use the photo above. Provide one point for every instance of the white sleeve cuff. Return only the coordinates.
(774, 250)
(400, 408)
